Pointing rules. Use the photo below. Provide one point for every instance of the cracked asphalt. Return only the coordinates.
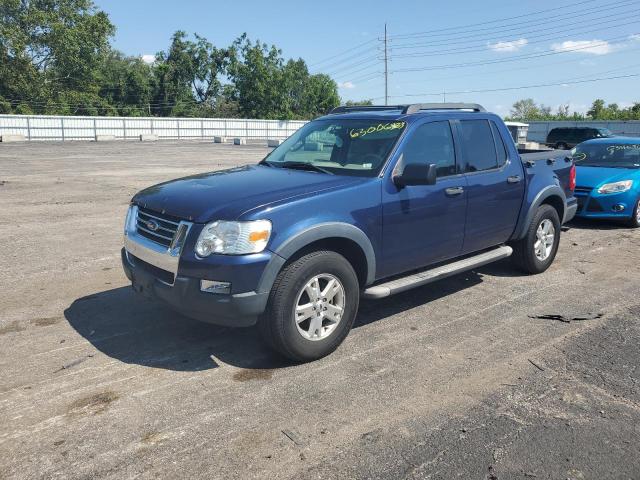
(472, 377)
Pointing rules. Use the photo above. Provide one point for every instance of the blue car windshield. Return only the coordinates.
(339, 146)
(613, 155)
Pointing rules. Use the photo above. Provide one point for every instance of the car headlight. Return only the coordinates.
(233, 238)
(616, 187)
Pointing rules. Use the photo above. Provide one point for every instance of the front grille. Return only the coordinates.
(165, 226)
(594, 206)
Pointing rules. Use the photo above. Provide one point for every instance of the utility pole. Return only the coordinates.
(386, 68)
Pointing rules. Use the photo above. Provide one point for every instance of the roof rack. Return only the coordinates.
(410, 108)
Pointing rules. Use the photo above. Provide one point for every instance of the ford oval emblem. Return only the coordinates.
(152, 225)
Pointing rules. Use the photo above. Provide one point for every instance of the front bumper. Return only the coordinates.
(236, 310)
(173, 273)
(613, 205)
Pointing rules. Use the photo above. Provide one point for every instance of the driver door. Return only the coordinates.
(424, 224)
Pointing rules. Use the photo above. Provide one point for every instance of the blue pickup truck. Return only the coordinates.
(363, 202)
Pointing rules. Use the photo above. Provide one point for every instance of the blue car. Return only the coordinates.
(608, 179)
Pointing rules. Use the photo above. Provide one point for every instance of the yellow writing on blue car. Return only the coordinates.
(615, 148)
(361, 132)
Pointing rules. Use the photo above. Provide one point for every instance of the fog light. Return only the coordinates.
(211, 286)
(618, 207)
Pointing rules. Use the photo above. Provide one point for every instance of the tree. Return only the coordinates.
(525, 110)
(56, 58)
(49, 47)
(353, 103)
(264, 86)
(597, 109)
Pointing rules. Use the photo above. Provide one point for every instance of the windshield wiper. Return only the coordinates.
(304, 166)
(266, 163)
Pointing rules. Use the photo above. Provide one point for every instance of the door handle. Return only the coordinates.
(453, 191)
(514, 179)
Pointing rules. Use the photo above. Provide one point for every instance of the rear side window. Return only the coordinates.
(478, 148)
(432, 143)
(501, 147)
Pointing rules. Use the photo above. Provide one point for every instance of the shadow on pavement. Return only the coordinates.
(597, 224)
(132, 329)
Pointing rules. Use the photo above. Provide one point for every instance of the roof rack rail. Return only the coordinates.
(409, 108)
(416, 107)
(366, 108)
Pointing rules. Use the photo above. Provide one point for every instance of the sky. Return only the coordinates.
(491, 52)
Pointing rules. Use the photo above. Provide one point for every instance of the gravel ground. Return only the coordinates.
(452, 380)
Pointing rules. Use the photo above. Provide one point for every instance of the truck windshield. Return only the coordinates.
(339, 147)
(612, 155)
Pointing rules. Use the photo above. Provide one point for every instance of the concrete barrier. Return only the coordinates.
(239, 141)
(273, 142)
(15, 137)
(105, 138)
(148, 138)
(313, 146)
(219, 140)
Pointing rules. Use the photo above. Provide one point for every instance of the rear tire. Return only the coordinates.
(634, 221)
(536, 251)
(311, 307)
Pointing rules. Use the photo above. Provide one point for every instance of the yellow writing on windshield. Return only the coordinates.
(361, 132)
(615, 148)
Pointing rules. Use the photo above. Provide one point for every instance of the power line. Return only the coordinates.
(332, 57)
(521, 87)
(581, 25)
(514, 58)
(528, 67)
(435, 31)
(536, 40)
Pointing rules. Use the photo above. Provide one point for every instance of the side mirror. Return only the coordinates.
(416, 174)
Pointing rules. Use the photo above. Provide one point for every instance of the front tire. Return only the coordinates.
(537, 250)
(634, 221)
(311, 307)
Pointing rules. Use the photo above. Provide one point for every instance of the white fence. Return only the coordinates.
(45, 127)
(538, 130)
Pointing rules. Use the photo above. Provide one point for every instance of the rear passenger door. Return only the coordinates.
(495, 184)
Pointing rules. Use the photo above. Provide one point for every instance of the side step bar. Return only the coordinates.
(427, 276)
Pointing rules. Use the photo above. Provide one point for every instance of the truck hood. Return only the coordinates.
(593, 177)
(227, 194)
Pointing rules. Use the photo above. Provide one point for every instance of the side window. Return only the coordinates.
(502, 149)
(478, 148)
(432, 143)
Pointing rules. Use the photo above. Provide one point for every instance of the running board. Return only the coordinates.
(427, 276)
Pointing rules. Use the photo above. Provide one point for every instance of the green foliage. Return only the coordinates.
(55, 58)
(355, 103)
(528, 110)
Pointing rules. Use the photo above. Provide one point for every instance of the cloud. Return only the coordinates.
(148, 58)
(592, 47)
(635, 37)
(512, 46)
(346, 85)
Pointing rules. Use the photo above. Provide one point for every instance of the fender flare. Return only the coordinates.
(313, 234)
(550, 191)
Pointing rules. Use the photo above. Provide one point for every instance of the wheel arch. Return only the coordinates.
(343, 238)
(551, 195)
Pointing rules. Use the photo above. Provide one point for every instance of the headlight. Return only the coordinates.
(131, 219)
(233, 238)
(616, 187)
